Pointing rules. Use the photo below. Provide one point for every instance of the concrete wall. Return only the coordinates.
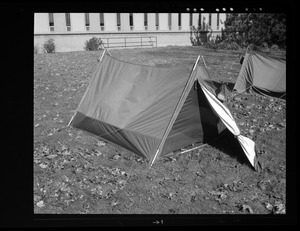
(175, 21)
(77, 22)
(41, 22)
(138, 22)
(185, 21)
(163, 21)
(125, 22)
(94, 22)
(151, 22)
(60, 22)
(110, 22)
(76, 42)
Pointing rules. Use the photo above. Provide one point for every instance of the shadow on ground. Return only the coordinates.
(227, 143)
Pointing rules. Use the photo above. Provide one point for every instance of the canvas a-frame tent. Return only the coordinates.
(264, 73)
(152, 111)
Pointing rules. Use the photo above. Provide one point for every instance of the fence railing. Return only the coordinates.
(150, 41)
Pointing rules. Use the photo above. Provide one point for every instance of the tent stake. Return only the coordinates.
(154, 157)
(188, 150)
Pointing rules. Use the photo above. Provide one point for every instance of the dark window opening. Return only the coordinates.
(51, 19)
(101, 19)
(68, 19)
(145, 19)
(131, 21)
(87, 19)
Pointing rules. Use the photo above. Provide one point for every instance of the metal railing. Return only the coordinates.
(150, 41)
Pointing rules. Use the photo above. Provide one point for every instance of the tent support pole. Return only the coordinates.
(176, 111)
(102, 55)
(247, 49)
(104, 48)
(203, 61)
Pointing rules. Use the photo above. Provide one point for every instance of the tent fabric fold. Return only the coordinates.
(154, 110)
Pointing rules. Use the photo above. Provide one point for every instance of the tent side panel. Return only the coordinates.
(245, 78)
(196, 122)
(133, 97)
(137, 143)
(269, 74)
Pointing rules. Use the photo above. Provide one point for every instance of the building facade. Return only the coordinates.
(70, 31)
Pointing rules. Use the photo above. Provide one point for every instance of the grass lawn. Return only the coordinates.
(77, 173)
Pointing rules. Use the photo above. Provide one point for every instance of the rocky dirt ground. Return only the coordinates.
(76, 173)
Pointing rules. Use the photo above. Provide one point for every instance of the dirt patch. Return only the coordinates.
(78, 173)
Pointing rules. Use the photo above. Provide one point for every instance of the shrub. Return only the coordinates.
(49, 46)
(94, 44)
(274, 47)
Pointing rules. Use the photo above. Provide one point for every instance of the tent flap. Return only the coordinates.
(247, 144)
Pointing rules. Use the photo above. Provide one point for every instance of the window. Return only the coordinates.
(146, 21)
(191, 20)
(118, 21)
(101, 21)
(157, 21)
(87, 21)
(131, 21)
(170, 21)
(209, 21)
(68, 21)
(51, 21)
(218, 21)
(179, 21)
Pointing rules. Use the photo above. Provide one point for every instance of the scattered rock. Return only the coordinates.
(43, 165)
(269, 206)
(52, 156)
(40, 204)
(100, 143)
(279, 208)
(247, 208)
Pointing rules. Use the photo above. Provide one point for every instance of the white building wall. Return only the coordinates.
(195, 19)
(214, 21)
(185, 21)
(94, 22)
(174, 18)
(151, 21)
(60, 22)
(77, 22)
(74, 40)
(41, 22)
(125, 22)
(163, 21)
(138, 21)
(110, 21)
